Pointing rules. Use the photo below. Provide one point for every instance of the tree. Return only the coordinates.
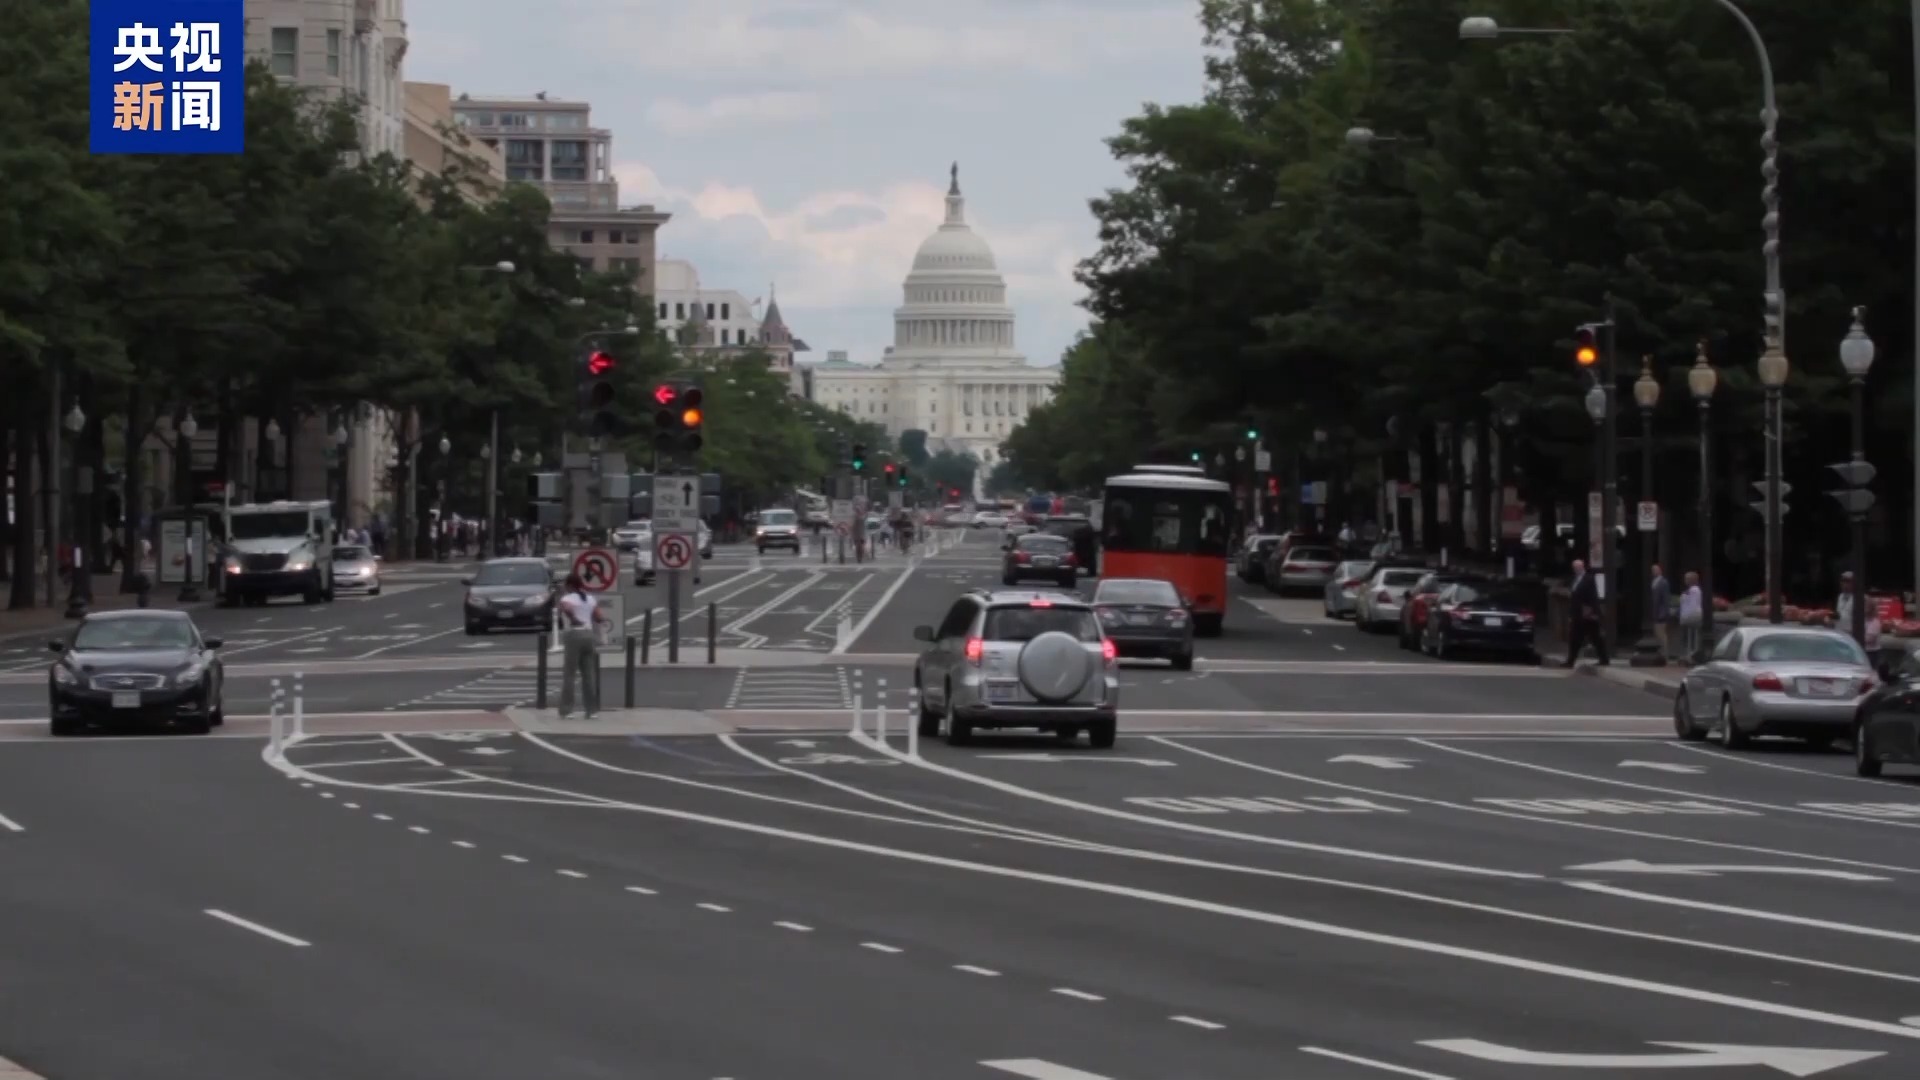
(948, 469)
(913, 447)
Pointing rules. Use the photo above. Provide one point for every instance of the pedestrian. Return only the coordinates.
(1693, 617)
(1843, 614)
(580, 616)
(1585, 618)
(1660, 606)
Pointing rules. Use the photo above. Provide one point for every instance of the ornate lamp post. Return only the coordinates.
(1701, 382)
(1773, 376)
(1856, 356)
(80, 577)
(1646, 394)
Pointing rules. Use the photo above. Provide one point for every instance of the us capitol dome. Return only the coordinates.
(954, 369)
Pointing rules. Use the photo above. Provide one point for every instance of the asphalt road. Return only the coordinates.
(1232, 907)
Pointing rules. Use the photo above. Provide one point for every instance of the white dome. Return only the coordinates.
(955, 301)
(954, 247)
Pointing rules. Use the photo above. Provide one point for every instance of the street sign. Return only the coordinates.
(672, 551)
(676, 504)
(1263, 460)
(1649, 516)
(598, 568)
(842, 513)
(1854, 473)
(612, 634)
(896, 499)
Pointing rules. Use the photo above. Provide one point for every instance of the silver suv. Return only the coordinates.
(1008, 659)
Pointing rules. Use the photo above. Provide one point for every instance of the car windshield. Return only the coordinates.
(1401, 577)
(638, 526)
(270, 526)
(162, 633)
(1492, 597)
(1352, 570)
(777, 517)
(513, 574)
(1041, 542)
(1137, 592)
(1805, 648)
(1028, 622)
(1310, 555)
(351, 554)
(1174, 520)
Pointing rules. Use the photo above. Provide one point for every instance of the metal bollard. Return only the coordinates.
(540, 673)
(276, 720)
(913, 722)
(858, 689)
(713, 632)
(880, 710)
(631, 646)
(299, 706)
(646, 634)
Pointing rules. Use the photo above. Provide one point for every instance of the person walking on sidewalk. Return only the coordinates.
(1693, 616)
(1583, 621)
(580, 619)
(1660, 604)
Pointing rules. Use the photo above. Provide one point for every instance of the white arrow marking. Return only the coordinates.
(464, 736)
(1079, 757)
(489, 751)
(1376, 762)
(1636, 866)
(1794, 1061)
(1035, 1069)
(804, 744)
(1662, 766)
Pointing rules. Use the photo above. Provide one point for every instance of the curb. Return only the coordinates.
(1657, 687)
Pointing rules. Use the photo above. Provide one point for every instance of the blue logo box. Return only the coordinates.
(167, 77)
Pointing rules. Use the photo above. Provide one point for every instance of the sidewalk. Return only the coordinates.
(106, 597)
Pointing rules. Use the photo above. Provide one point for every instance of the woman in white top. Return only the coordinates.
(579, 615)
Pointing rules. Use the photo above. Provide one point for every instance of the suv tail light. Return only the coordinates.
(1525, 615)
(1350, 586)
(1108, 652)
(976, 649)
(1767, 680)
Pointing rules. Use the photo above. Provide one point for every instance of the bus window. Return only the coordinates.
(1160, 520)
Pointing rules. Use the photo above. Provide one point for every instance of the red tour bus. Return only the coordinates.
(1171, 523)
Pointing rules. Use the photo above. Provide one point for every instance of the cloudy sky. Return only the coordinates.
(806, 142)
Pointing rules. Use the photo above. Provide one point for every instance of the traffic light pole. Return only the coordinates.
(1610, 492)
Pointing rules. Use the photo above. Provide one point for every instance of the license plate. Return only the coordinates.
(1043, 562)
(997, 692)
(126, 699)
(1140, 620)
(1823, 687)
(1494, 620)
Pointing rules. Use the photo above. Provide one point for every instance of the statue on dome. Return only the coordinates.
(954, 188)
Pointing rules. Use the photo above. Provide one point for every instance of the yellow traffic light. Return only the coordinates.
(691, 418)
(1586, 355)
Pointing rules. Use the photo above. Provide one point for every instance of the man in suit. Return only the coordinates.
(1584, 620)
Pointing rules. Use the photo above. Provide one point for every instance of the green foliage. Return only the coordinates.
(913, 447)
(948, 469)
(759, 438)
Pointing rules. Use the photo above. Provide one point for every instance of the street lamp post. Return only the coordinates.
(183, 479)
(442, 539)
(1701, 381)
(1856, 356)
(1773, 375)
(80, 576)
(1599, 405)
(341, 438)
(1646, 394)
(490, 453)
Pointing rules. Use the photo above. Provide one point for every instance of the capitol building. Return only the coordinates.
(953, 370)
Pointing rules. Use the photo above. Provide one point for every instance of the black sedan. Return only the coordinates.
(1479, 615)
(1038, 555)
(136, 667)
(1143, 617)
(510, 593)
(1887, 722)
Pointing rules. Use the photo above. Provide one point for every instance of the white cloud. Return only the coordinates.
(677, 117)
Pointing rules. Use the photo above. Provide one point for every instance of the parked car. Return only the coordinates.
(1416, 600)
(1343, 589)
(1301, 568)
(1794, 681)
(1488, 616)
(1886, 725)
(1378, 605)
(1251, 562)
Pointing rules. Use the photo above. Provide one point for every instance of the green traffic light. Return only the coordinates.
(1252, 434)
(1196, 455)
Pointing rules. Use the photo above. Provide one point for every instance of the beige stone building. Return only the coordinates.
(438, 147)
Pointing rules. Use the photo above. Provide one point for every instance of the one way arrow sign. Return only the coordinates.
(1792, 1060)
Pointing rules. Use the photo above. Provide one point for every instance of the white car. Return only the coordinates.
(988, 519)
(633, 536)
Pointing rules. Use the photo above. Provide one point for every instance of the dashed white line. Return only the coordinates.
(1398, 1070)
(263, 931)
(797, 928)
(421, 829)
(973, 970)
(326, 794)
(463, 843)
(1339, 648)
(383, 817)
(11, 825)
(513, 858)
(1078, 995)
(570, 873)
(642, 891)
(714, 907)
(351, 805)
(877, 947)
(1194, 1021)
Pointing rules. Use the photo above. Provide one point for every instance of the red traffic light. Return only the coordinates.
(889, 470)
(664, 394)
(599, 364)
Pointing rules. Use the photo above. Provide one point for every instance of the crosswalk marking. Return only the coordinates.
(763, 688)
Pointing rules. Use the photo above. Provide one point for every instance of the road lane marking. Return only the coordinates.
(1639, 866)
(420, 829)
(972, 969)
(1560, 821)
(410, 641)
(1194, 1021)
(721, 908)
(463, 844)
(383, 817)
(355, 764)
(513, 858)
(11, 825)
(1397, 1070)
(877, 947)
(575, 874)
(412, 750)
(1748, 913)
(880, 605)
(642, 891)
(1187, 826)
(1748, 759)
(1794, 1061)
(797, 928)
(1786, 807)
(280, 641)
(1077, 995)
(263, 931)
(1035, 1069)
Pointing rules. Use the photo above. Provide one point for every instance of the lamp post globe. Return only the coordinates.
(1596, 402)
(505, 266)
(1773, 369)
(75, 420)
(1856, 349)
(1702, 379)
(189, 427)
(516, 456)
(340, 435)
(1646, 389)
(1361, 137)
(1479, 28)
(446, 445)
(536, 459)
(272, 430)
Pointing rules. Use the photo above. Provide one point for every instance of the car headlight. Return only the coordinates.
(474, 601)
(63, 675)
(533, 601)
(298, 564)
(190, 676)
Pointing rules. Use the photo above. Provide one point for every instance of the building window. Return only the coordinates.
(709, 311)
(569, 159)
(633, 236)
(524, 159)
(680, 310)
(572, 200)
(663, 309)
(586, 236)
(333, 53)
(726, 312)
(511, 119)
(285, 61)
(625, 266)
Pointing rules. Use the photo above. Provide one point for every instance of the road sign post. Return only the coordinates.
(676, 529)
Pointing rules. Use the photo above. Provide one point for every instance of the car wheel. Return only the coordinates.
(1183, 662)
(199, 725)
(61, 729)
(929, 718)
(1439, 644)
(474, 631)
(1683, 726)
(959, 732)
(1730, 735)
(1864, 762)
(1102, 733)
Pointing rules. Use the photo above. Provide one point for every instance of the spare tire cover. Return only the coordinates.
(1054, 666)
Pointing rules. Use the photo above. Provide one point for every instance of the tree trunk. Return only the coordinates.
(1483, 485)
(132, 483)
(92, 447)
(1456, 492)
(1429, 491)
(26, 518)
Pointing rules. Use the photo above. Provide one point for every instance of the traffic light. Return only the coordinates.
(1196, 455)
(1587, 352)
(903, 476)
(1273, 486)
(678, 419)
(1253, 434)
(888, 469)
(594, 384)
(859, 458)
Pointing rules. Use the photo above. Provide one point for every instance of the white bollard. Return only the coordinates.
(553, 635)
(276, 722)
(858, 690)
(913, 722)
(880, 710)
(299, 705)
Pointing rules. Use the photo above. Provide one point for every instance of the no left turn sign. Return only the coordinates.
(673, 551)
(597, 568)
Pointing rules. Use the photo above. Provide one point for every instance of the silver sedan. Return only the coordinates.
(1343, 591)
(1774, 680)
